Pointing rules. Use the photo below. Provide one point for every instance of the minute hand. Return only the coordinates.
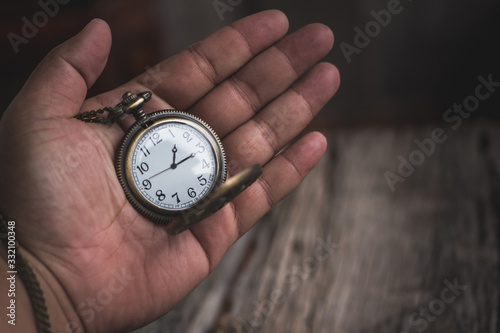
(190, 156)
(172, 166)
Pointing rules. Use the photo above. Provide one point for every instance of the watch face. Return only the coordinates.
(173, 164)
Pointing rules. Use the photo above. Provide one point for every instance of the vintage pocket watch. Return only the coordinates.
(171, 164)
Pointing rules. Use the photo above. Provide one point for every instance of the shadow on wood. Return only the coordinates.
(344, 253)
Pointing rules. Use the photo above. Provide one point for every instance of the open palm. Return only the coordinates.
(116, 269)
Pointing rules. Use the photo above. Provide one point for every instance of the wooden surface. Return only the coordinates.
(392, 258)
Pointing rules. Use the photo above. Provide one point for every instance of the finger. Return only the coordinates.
(263, 136)
(184, 78)
(280, 177)
(59, 84)
(267, 76)
(283, 174)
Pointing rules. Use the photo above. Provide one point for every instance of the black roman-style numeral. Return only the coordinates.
(155, 139)
(143, 168)
(202, 180)
(145, 151)
(161, 196)
(201, 149)
(187, 136)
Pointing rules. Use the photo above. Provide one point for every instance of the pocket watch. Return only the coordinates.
(171, 164)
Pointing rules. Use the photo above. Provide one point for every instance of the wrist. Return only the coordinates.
(19, 315)
(62, 312)
(62, 315)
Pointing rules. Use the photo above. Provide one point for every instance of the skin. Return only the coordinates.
(255, 86)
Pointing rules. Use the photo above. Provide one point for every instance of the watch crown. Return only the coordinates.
(132, 103)
(129, 98)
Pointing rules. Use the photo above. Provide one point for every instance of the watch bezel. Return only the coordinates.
(124, 160)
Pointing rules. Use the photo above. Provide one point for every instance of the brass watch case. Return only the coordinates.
(123, 160)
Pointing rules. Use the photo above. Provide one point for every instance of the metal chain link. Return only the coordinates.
(131, 104)
(28, 276)
(92, 116)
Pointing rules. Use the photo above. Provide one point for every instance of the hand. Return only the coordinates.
(174, 151)
(103, 266)
(173, 165)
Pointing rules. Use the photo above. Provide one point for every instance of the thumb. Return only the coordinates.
(58, 85)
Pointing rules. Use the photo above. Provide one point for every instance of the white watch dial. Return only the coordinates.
(173, 166)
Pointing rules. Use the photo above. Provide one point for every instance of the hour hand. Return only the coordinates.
(174, 150)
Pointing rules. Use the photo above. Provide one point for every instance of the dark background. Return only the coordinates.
(424, 61)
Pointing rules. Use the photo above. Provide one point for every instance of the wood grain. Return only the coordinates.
(344, 253)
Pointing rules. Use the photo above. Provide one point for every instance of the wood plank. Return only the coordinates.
(392, 258)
